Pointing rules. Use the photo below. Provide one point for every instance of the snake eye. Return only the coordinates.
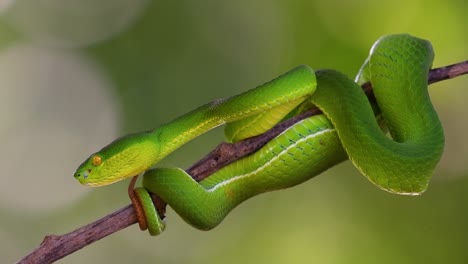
(96, 160)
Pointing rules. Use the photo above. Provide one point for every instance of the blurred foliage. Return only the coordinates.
(173, 56)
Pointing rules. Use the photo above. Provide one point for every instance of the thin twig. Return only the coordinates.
(55, 247)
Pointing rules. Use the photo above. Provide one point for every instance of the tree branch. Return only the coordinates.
(55, 247)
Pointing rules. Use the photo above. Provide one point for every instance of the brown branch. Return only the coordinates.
(448, 72)
(55, 247)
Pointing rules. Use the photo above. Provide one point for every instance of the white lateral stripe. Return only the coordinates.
(311, 136)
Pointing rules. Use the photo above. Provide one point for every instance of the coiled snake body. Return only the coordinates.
(397, 67)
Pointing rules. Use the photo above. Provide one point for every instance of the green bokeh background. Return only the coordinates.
(177, 55)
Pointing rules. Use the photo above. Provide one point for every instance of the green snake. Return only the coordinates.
(350, 127)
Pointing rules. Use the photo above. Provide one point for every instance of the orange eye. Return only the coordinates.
(97, 160)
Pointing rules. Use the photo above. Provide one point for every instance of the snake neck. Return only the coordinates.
(176, 133)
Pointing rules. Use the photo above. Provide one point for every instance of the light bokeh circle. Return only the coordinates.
(73, 23)
(56, 107)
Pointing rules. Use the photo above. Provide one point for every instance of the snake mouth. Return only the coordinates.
(92, 184)
(84, 178)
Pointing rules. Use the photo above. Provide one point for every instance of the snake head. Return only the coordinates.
(125, 157)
